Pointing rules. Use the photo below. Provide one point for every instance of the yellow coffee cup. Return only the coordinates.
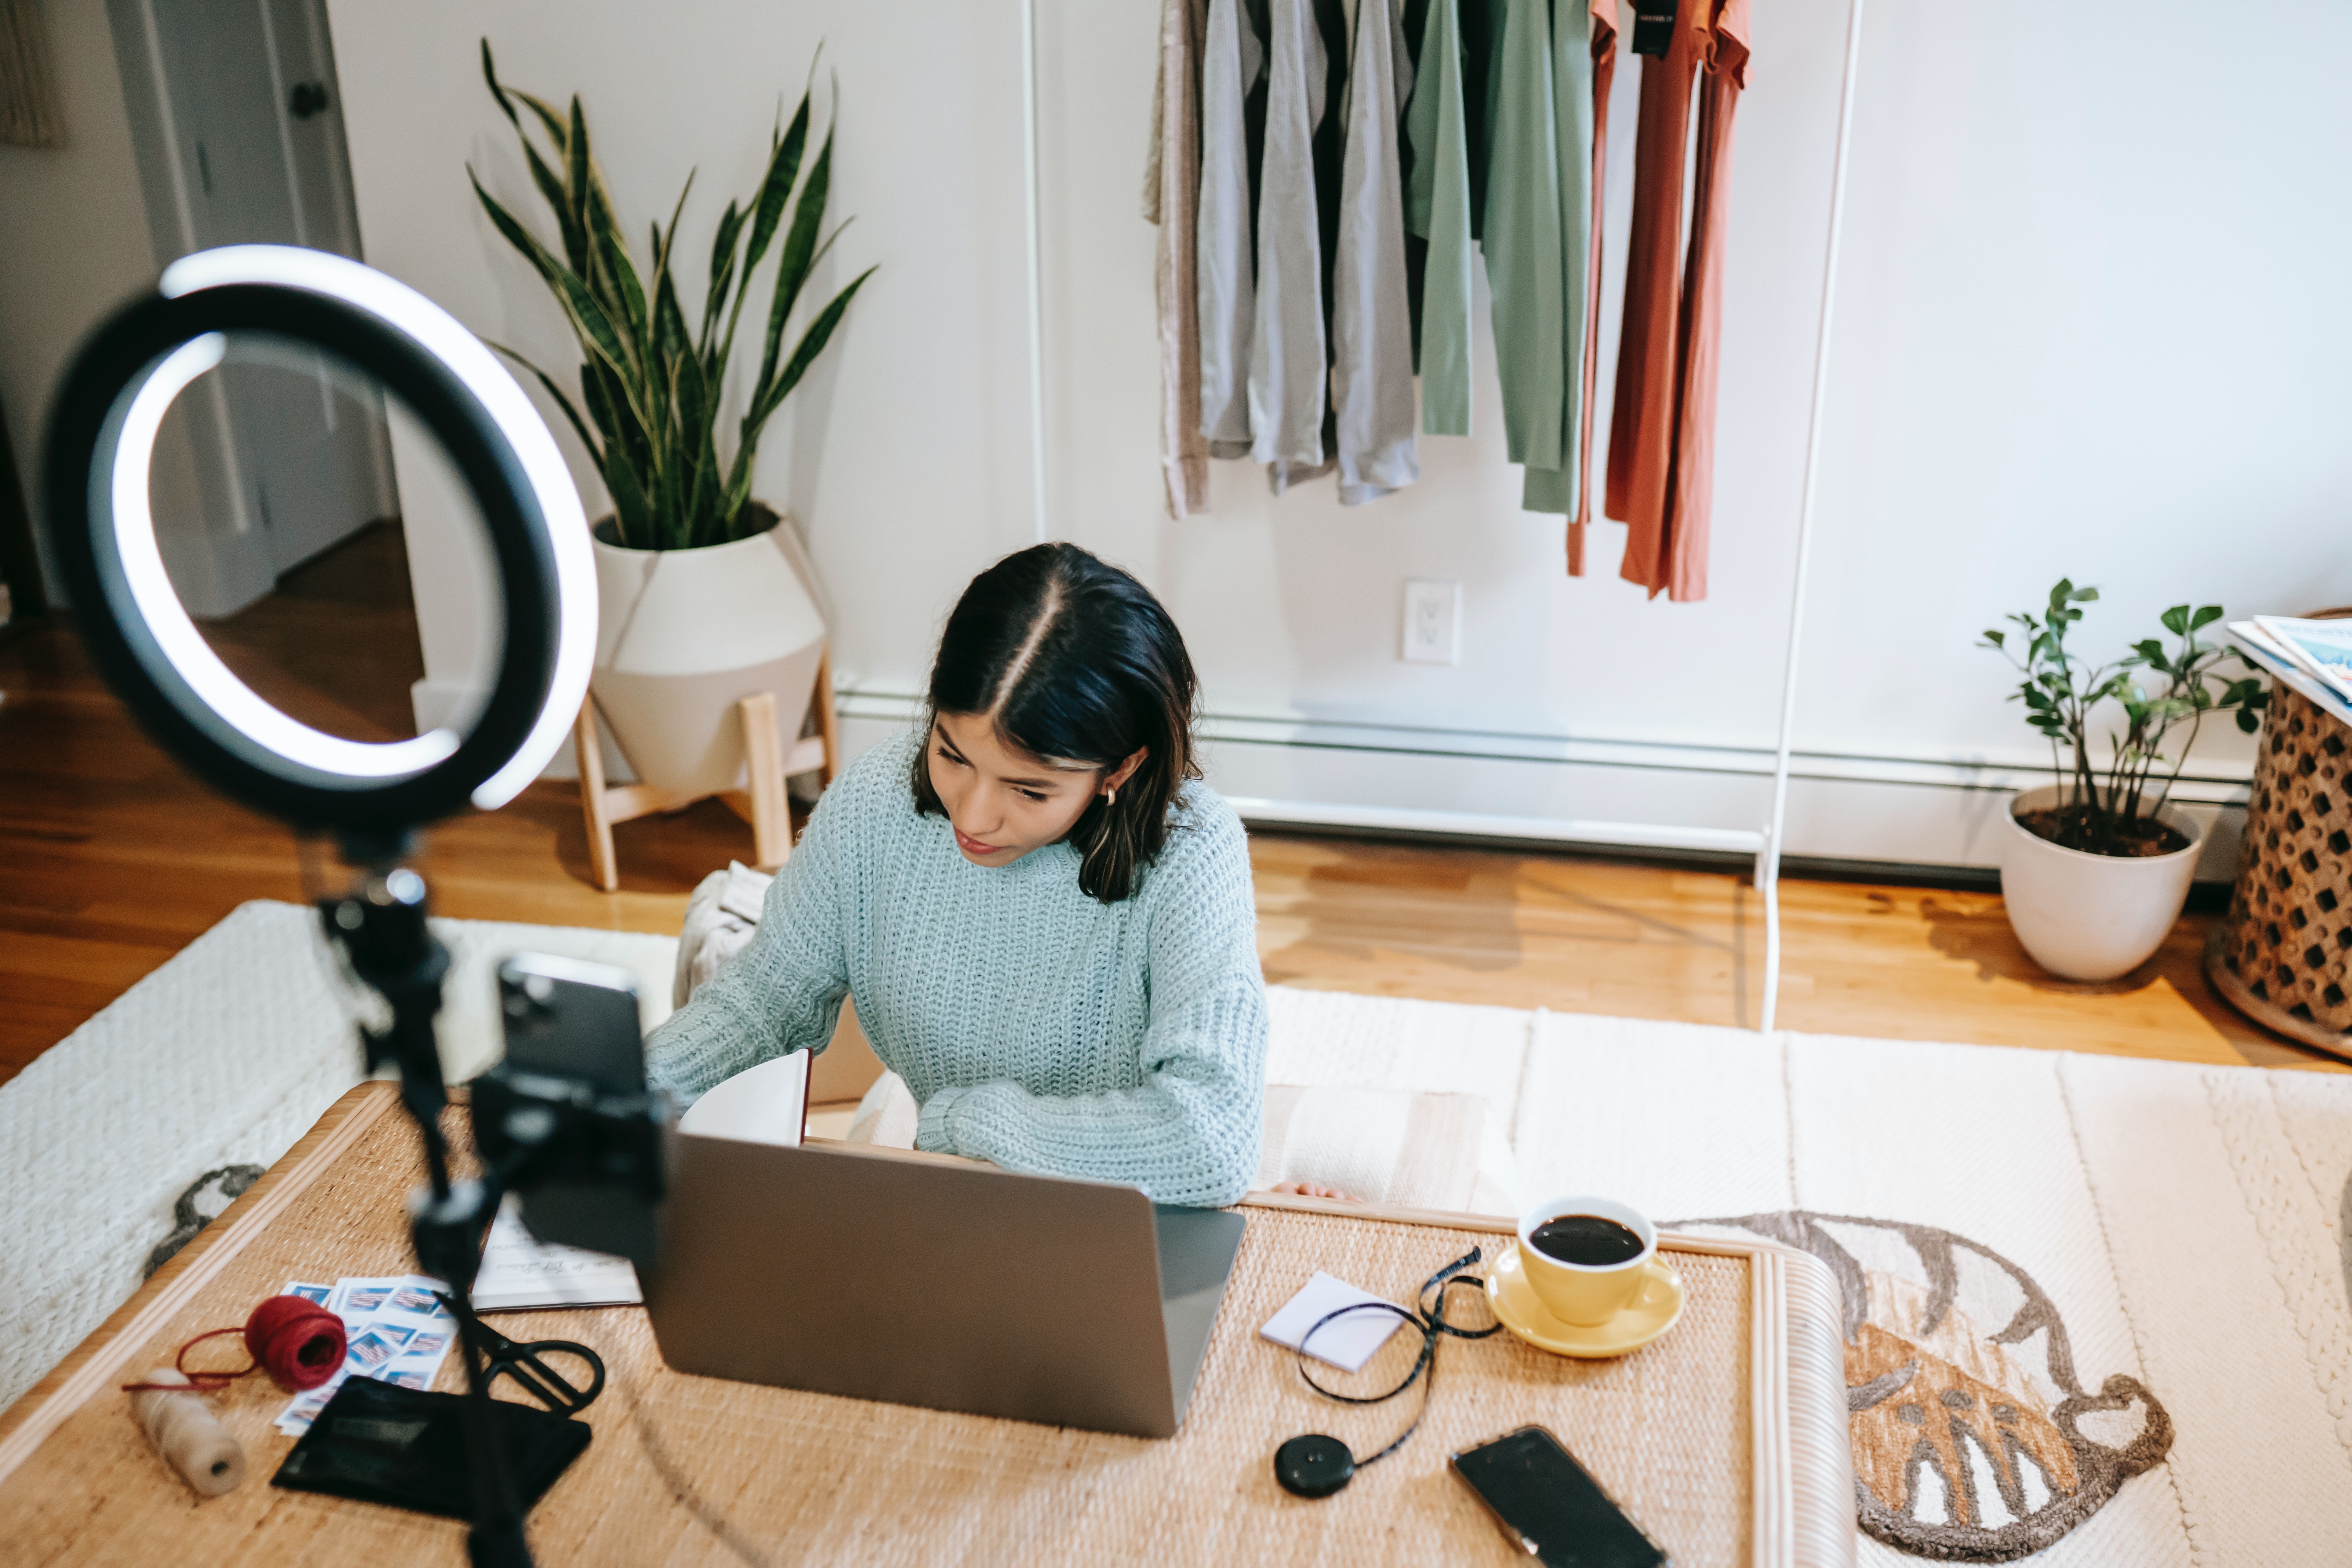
(1585, 1255)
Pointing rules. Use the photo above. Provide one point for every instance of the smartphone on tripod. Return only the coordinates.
(573, 1042)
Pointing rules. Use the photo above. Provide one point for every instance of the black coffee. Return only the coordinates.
(1588, 1239)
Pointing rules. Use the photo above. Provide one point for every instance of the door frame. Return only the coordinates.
(20, 565)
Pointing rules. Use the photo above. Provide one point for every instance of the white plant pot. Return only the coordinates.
(685, 635)
(2090, 916)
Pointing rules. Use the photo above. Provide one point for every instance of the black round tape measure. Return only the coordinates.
(1313, 1465)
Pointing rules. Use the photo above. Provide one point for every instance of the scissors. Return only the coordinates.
(522, 1362)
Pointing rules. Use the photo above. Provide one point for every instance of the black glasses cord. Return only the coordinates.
(1315, 1466)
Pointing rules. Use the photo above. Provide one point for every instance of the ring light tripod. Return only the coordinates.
(371, 796)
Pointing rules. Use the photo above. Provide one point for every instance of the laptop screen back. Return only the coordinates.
(960, 1288)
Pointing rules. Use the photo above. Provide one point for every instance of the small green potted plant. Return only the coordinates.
(2097, 865)
(705, 599)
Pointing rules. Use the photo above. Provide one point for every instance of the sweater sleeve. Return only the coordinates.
(1189, 1133)
(782, 993)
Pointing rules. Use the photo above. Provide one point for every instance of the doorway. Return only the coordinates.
(236, 118)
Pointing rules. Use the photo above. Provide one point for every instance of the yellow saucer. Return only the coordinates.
(1654, 1312)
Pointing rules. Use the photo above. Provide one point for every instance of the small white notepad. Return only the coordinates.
(519, 1271)
(1347, 1342)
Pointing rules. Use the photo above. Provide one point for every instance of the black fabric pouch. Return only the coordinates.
(377, 1442)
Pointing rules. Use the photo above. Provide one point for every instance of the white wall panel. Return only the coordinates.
(2092, 324)
(905, 453)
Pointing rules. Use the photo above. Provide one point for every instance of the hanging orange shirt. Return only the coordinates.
(1604, 72)
(1640, 420)
(1660, 435)
(1690, 478)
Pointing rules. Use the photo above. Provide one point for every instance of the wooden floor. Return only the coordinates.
(111, 859)
(335, 644)
(1580, 934)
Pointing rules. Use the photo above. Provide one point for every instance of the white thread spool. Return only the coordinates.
(190, 1437)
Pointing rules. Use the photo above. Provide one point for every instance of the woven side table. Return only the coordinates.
(2284, 955)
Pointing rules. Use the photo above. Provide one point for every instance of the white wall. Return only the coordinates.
(2092, 323)
(905, 453)
(73, 230)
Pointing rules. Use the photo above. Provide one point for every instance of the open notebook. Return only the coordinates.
(768, 1104)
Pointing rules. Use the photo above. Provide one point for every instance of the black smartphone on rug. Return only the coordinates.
(1550, 1506)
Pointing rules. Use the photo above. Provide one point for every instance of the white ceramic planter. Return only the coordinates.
(2090, 916)
(685, 635)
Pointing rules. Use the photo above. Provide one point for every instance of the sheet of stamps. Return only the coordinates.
(396, 1332)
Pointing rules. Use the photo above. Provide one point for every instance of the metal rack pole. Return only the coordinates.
(1029, 155)
(1767, 859)
(1767, 843)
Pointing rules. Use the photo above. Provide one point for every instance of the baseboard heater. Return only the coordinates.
(1482, 824)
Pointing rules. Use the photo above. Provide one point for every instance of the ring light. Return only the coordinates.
(100, 446)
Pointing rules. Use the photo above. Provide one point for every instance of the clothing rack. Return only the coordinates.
(1764, 843)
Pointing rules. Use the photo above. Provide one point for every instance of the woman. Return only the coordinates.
(1045, 917)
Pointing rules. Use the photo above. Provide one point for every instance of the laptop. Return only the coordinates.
(880, 1276)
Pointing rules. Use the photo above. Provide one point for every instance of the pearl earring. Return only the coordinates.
(1111, 798)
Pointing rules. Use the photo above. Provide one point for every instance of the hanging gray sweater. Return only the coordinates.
(1371, 319)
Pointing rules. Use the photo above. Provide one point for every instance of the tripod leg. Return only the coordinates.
(496, 1539)
(447, 1234)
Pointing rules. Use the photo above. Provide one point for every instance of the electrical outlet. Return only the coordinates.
(1433, 623)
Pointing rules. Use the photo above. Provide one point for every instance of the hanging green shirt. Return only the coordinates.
(1555, 489)
(1535, 260)
(1538, 236)
(1438, 208)
(1523, 255)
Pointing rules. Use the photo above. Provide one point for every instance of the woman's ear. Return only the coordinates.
(1117, 778)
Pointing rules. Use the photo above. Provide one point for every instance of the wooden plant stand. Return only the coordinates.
(769, 760)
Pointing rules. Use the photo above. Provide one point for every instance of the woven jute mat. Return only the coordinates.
(688, 1470)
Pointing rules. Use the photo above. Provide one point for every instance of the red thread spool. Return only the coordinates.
(300, 1342)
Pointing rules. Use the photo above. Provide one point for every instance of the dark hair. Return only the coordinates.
(1071, 658)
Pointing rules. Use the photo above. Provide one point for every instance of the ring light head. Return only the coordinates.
(99, 458)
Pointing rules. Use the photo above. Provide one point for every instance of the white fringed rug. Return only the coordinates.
(221, 1057)
(2098, 1307)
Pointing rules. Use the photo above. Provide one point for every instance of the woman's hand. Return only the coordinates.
(1317, 1190)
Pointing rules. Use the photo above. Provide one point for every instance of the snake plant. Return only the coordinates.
(651, 387)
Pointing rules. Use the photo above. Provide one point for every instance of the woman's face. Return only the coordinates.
(1002, 802)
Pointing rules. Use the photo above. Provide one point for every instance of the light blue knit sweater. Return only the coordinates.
(1037, 1027)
